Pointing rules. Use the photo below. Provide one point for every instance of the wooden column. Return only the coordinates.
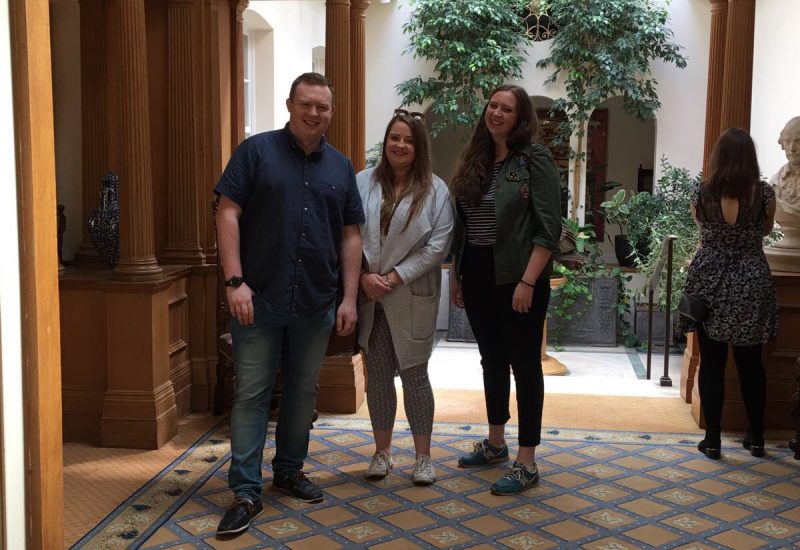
(211, 114)
(337, 67)
(94, 154)
(716, 72)
(32, 86)
(129, 138)
(183, 39)
(737, 83)
(358, 18)
(237, 71)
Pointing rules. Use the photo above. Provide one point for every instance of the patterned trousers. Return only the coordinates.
(381, 393)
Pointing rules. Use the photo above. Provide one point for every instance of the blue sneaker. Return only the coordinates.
(518, 478)
(484, 453)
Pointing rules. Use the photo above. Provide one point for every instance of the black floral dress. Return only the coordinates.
(729, 271)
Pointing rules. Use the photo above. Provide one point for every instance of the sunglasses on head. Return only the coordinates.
(412, 114)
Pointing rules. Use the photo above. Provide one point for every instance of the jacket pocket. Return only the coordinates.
(423, 316)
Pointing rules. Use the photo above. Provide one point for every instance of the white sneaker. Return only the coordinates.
(423, 473)
(380, 466)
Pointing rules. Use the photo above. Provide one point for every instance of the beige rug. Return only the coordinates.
(645, 414)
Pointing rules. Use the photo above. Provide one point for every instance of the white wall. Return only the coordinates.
(66, 65)
(385, 66)
(776, 78)
(11, 406)
(298, 26)
(262, 42)
(680, 129)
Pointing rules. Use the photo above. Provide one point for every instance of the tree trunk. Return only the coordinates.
(576, 179)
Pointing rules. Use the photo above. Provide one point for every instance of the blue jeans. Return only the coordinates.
(295, 346)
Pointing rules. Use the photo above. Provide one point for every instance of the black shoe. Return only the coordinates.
(754, 444)
(298, 485)
(710, 448)
(239, 516)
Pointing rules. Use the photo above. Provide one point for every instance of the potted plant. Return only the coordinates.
(617, 210)
(593, 300)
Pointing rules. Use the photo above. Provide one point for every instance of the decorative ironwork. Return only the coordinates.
(539, 25)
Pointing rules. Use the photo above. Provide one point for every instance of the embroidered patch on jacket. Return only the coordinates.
(513, 176)
(522, 161)
(524, 191)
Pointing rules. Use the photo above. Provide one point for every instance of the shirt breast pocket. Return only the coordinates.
(331, 193)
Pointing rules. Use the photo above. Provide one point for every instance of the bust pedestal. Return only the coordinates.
(785, 254)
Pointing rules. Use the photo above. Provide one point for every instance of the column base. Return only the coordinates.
(137, 271)
(139, 420)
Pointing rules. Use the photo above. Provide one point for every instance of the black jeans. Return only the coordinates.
(711, 382)
(506, 338)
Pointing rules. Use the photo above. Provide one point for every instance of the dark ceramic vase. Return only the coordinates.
(104, 221)
(624, 251)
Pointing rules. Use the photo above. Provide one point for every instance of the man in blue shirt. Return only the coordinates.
(287, 227)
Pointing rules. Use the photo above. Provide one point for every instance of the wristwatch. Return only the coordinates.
(235, 282)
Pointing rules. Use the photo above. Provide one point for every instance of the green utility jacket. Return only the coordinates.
(528, 211)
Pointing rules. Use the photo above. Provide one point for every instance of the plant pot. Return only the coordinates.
(592, 324)
(624, 251)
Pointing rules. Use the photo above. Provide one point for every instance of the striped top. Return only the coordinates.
(480, 220)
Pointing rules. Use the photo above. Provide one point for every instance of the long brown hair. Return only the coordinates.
(471, 180)
(733, 165)
(421, 176)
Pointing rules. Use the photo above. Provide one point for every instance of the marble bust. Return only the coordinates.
(785, 254)
(787, 180)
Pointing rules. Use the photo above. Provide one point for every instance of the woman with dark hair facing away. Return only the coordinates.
(407, 233)
(508, 222)
(729, 273)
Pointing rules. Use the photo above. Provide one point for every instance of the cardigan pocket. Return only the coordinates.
(423, 316)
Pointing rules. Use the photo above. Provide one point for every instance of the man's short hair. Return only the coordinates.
(312, 79)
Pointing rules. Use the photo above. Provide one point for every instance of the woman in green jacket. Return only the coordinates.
(508, 223)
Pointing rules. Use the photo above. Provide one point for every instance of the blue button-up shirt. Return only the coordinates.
(294, 208)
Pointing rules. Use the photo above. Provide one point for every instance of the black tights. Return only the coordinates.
(711, 383)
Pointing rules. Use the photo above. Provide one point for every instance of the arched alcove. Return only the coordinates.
(620, 148)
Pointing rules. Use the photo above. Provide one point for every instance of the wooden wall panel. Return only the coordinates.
(33, 125)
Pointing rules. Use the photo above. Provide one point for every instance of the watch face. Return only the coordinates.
(234, 282)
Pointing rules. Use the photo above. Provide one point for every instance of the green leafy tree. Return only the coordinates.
(476, 45)
(604, 49)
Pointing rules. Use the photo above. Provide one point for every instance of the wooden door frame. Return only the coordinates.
(36, 203)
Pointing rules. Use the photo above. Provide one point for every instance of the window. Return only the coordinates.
(318, 59)
(249, 99)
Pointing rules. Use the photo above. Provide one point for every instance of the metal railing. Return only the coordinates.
(665, 257)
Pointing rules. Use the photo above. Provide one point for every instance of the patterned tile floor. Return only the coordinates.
(609, 490)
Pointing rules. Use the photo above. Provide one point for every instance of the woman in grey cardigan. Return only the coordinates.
(409, 221)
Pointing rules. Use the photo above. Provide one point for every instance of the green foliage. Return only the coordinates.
(603, 49)
(668, 212)
(373, 155)
(617, 211)
(476, 45)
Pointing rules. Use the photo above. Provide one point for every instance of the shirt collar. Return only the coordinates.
(315, 154)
